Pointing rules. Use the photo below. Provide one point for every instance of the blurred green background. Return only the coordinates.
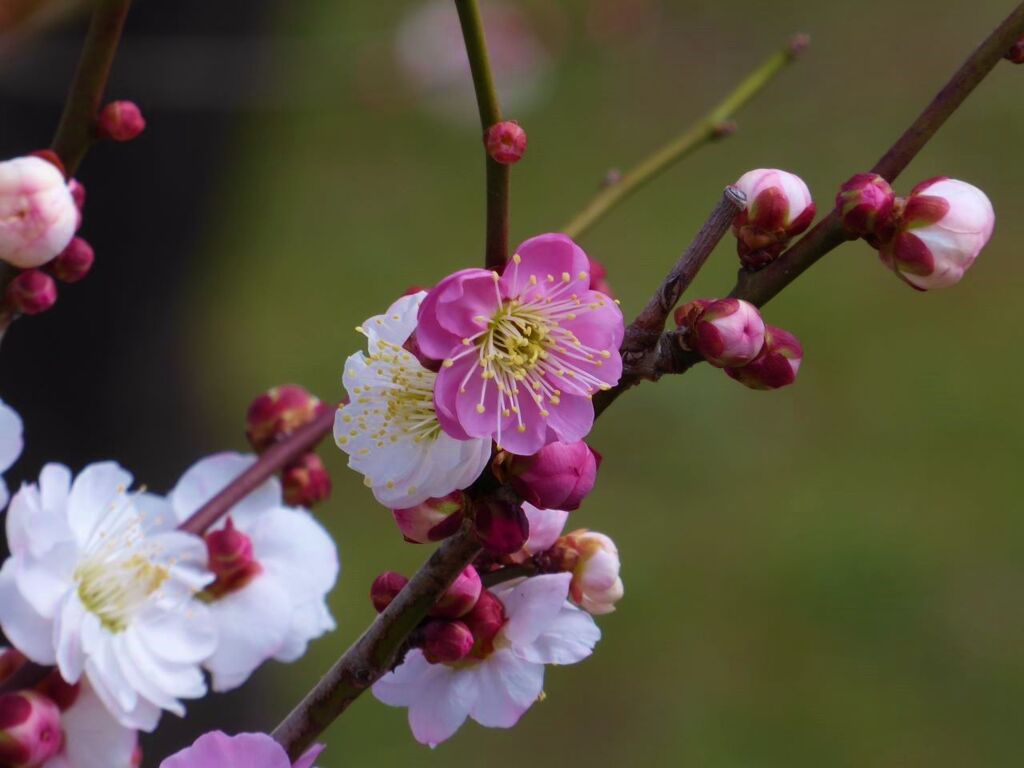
(826, 575)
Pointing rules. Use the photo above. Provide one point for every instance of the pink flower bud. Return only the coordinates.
(485, 621)
(506, 142)
(446, 642)
(461, 595)
(434, 519)
(500, 525)
(31, 292)
(385, 588)
(231, 560)
(74, 262)
(599, 278)
(120, 121)
(30, 732)
(1016, 52)
(38, 216)
(278, 413)
(306, 482)
(944, 225)
(57, 690)
(776, 366)
(729, 332)
(779, 207)
(593, 559)
(558, 476)
(865, 205)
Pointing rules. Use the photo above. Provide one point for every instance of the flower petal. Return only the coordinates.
(531, 605)
(508, 686)
(26, 630)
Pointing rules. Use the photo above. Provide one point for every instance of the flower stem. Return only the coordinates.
(498, 175)
(273, 459)
(709, 128)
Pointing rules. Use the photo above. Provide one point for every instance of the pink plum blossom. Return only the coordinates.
(11, 443)
(246, 750)
(523, 351)
(38, 215)
(497, 683)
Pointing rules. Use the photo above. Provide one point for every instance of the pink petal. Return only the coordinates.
(570, 420)
(552, 254)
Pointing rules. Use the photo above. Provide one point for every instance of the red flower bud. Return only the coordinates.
(446, 642)
(485, 621)
(779, 207)
(306, 482)
(865, 205)
(74, 262)
(506, 142)
(434, 519)
(278, 413)
(31, 292)
(231, 560)
(30, 732)
(385, 588)
(776, 366)
(461, 596)
(501, 526)
(728, 332)
(558, 476)
(599, 278)
(1016, 52)
(120, 121)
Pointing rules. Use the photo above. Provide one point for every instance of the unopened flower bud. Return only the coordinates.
(385, 588)
(729, 332)
(38, 216)
(74, 262)
(558, 476)
(231, 559)
(865, 205)
(599, 278)
(77, 190)
(1016, 52)
(779, 207)
(434, 519)
(306, 482)
(943, 227)
(120, 121)
(446, 642)
(500, 525)
(57, 690)
(485, 621)
(506, 142)
(776, 366)
(593, 560)
(278, 412)
(461, 596)
(688, 314)
(31, 292)
(30, 732)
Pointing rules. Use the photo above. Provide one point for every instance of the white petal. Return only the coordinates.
(444, 703)
(569, 638)
(207, 477)
(91, 495)
(292, 544)
(405, 684)
(531, 605)
(11, 441)
(37, 517)
(508, 686)
(27, 631)
(154, 681)
(182, 637)
(46, 580)
(68, 629)
(310, 619)
(92, 737)
(546, 525)
(397, 324)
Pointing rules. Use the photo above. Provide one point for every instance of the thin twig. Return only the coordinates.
(498, 175)
(714, 125)
(378, 649)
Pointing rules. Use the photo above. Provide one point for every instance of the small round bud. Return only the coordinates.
(593, 560)
(31, 292)
(231, 559)
(943, 227)
(74, 262)
(779, 207)
(38, 216)
(506, 142)
(728, 332)
(558, 476)
(446, 642)
(278, 413)
(500, 525)
(30, 732)
(385, 588)
(306, 482)
(120, 121)
(461, 596)
(1016, 52)
(865, 205)
(776, 366)
(485, 621)
(434, 519)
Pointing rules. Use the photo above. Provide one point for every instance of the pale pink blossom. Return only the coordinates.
(38, 215)
(246, 750)
(779, 207)
(596, 585)
(11, 443)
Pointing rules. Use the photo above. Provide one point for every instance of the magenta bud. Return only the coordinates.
(30, 732)
(558, 476)
(446, 642)
(776, 366)
(599, 278)
(461, 595)
(385, 588)
(729, 332)
(120, 121)
(485, 621)
(231, 559)
(865, 205)
(74, 262)
(31, 292)
(434, 519)
(306, 482)
(506, 142)
(278, 412)
(500, 525)
(1016, 52)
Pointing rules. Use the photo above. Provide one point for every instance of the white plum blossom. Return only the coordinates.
(290, 565)
(92, 737)
(389, 429)
(38, 216)
(541, 628)
(10, 445)
(101, 585)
